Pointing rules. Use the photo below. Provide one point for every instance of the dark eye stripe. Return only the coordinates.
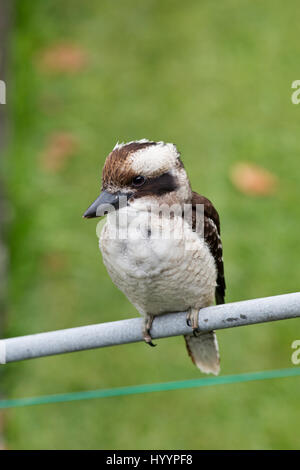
(157, 186)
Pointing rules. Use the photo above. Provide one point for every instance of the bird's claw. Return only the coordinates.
(196, 332)
(192, 321)
(146, 330)
(148, 340)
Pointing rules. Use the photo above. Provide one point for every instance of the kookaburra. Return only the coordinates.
(160, 274)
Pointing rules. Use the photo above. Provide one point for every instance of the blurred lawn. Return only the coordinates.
(215, 78)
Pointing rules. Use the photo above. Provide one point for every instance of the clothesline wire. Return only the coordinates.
(149, 388)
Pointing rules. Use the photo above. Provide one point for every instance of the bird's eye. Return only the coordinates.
(138, 181)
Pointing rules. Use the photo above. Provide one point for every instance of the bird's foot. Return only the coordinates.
(146, 330)
(192, 320)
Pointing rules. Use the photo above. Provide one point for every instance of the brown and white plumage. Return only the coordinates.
(204, 350)
(161, 275)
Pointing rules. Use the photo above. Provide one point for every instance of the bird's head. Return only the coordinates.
(141, 171)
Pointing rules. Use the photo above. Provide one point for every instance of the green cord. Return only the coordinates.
(147, 388)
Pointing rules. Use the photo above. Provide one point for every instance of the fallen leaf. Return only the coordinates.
(54, 261)
(60, 147)
(63, 58)
(253, 180)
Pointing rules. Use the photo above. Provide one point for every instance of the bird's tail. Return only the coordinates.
(204, 352)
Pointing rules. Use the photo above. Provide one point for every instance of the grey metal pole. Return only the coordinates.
(101, 335)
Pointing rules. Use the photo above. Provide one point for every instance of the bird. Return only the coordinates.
(161, 274)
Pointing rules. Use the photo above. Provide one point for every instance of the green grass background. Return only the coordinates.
(215, 78)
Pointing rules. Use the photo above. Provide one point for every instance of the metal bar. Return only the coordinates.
(217, 317)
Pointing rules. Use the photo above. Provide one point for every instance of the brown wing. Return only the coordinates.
(213, 239)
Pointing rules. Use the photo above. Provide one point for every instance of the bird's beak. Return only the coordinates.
(106, 202)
